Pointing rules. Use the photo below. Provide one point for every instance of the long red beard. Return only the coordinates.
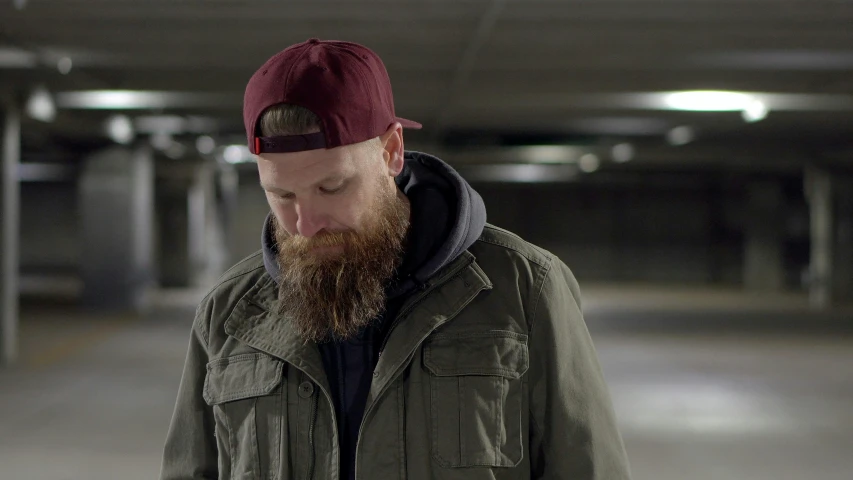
(334, 296)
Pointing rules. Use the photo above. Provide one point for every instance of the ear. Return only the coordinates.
(392, 149)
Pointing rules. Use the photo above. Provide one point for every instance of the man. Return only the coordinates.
(385, 331)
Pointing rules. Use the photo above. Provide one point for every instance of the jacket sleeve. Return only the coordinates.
(573, 433)
(190, 451)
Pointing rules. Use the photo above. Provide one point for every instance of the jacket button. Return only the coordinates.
(306, 390)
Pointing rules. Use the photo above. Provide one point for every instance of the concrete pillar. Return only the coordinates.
(199, 202)
(227, 193)
(842, 264)
(9, 218)
(818, 185)
(764, 269)
(216, 252)
(116, 220)
(191, 238)
(173, 232)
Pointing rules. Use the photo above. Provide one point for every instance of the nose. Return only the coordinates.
(309, 221)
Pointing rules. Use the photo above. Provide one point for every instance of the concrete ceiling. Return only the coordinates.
(465, 68)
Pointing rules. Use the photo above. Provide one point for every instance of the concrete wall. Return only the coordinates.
(676, 234)
(680, 235)
(613, 234)
(49, 234)
(247, 220)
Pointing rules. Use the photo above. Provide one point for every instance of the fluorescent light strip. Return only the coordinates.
(656, 101)
(519, 173)
(139, 100)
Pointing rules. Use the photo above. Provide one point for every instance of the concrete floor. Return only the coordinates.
(92, 396)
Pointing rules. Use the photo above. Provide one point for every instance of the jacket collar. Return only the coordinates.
(447, 293)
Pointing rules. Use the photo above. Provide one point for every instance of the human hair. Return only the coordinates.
(286, 119)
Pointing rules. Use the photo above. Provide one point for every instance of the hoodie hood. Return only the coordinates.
(447, 217)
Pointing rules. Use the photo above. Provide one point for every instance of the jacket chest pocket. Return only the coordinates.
(246, 394)
(476, 397)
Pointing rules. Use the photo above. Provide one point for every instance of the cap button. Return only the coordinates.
(313, 40)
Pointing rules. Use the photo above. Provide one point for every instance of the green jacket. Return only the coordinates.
(487, 373)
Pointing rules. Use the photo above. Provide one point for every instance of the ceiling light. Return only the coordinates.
(64, 65)
(120, 129)
(622, 153)
(151, 124)
(237, 154)
(205, 144)
(139, 99)
(40, 105)
(109, 99)
(16, 58)
(519, 173)
(589, 163)
(755, 111)
(175, 151)
(708, 101)
(161, 141)
(684, 100)
(199, 124)
(549, 154)
(788, 59)
(619, 126)
(680, 135)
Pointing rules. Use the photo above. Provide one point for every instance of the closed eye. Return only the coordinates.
(332, 190)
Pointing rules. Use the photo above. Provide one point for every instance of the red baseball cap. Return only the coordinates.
(345, 84)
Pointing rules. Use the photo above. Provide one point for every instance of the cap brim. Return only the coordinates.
(409, 123)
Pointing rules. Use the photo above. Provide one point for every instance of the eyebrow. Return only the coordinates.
(281, 191)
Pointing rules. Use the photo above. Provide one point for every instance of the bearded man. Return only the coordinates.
(384, 331)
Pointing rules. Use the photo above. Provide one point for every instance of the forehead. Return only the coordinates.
(310, 166)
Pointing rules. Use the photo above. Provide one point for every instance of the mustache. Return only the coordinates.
(297, 244)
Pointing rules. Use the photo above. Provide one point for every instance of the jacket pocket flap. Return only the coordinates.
(495, 353)
(241, 376)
